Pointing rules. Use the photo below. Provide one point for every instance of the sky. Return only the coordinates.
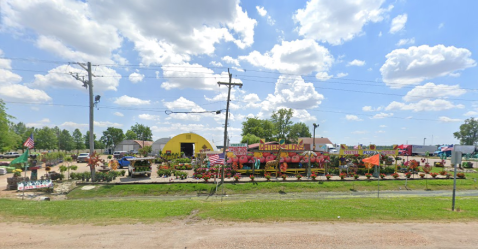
(366, 71)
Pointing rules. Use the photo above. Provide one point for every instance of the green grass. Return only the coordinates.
(356, 210)
(269, 187)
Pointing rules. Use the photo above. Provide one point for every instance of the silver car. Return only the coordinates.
(83, 158)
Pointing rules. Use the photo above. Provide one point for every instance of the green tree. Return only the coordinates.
(8, 138)
(143, 132)
(250, 139)
(145, 150)
(79, 140)
(112, 136)
(87, 139)
(67, 143)
(23, 133)
(259, 128)
(468, 133)
(299, 130)
(46, 138)
(282, 122)
(130, 135)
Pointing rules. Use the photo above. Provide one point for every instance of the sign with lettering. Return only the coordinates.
(298, 146)
(239, 150)
(35, 184)
(344, 150)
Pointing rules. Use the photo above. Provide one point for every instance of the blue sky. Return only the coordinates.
(382, 72)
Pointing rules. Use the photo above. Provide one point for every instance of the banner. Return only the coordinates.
(35, 184)
(344, 150)
(238, 149)
(298, 146)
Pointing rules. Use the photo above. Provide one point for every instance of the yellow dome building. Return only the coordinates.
(189, 143)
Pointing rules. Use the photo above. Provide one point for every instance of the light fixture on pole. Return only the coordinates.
(424, 140)
(315, 126)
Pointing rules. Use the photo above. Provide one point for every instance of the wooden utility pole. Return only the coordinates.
(229, 85)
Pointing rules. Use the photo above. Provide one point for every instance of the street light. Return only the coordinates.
(315, 126)
(424, 140)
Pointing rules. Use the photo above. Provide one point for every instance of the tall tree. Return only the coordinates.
(299, 130)
(23, 132)
(250, 139)
(259, 128)
(143, 132)
(8, 138)
(87, 139)
(130, 135)
(282, 122)
(46, 139)
(468, 133)
(112, 136)
(79, 140)
(67, 143)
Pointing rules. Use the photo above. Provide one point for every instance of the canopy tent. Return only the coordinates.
(21, 159)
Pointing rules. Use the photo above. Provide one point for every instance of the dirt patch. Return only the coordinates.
(212, 234)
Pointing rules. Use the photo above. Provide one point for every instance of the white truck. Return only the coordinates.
(140, 166)
(465, 149)
(413, 150)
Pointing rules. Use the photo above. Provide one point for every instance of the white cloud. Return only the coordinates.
(303, 116)
(72, 125)
(356, 62)
(430, 90)
(107, 124)
(380, 34)
(416, 64)
(39, 124)
(382, 115)
(423, 105)
(252, 100)
(471, 113)
(292, 92)
(353, 118)
(382, 126)
(380, 131)
(183, 104)
(402, 42)
(17, 92)
(371, 109)
(299, 56)
(261, 11)
(136, 77)
(449, 120)
(337, 21)
(323, 76)
(441, 25)
(228, 59)
(59, 78)
(193, 76)
(341, 75)
(119, 114)
(398, 23)
(216, 64)
(130, 101)
(149, 117)
(359, 132)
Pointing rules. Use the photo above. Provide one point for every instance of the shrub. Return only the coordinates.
(443, 173)
(395, 175)
(433, 174)
(298, 176)
(356, 176)
(368, 175)
(422, 175)
(408, 174)
(461, 175)
(342, 175)
(328, 176)
(252, 177)
(284, 177)
(467, 165)
(382, 175)
(237, 177)
(313, 176)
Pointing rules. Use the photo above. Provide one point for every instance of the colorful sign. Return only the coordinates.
(35, 184)
(298, 146)
(239, 150)
(344, 150)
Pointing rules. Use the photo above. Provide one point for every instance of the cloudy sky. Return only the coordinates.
(367, 71)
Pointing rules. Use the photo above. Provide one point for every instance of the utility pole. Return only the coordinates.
(89, 84)
(229, 84)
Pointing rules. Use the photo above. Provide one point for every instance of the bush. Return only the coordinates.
(467, 165)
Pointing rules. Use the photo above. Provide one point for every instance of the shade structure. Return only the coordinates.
(21, 159)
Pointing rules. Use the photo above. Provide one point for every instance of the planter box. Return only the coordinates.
(12, 182)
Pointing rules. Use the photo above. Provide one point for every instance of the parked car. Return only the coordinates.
(10, 155)
(83, 157)
(123, 162)
(119, 154)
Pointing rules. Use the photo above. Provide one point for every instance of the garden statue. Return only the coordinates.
(274, 163)
(257, 163)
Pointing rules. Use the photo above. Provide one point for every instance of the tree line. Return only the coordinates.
(279, 126)
(13, 135)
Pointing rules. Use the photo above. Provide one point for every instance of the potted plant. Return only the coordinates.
(228, 175)
(284, 177)
(328, 176)
(368, 175)
(382, 175)
(395, 175)
(434, 174)
(408, 174)
(461, 175)
(206, 177)
(298, 176)
(356, 176)
(267, 176)
(313, 176)
(422, 175)
(447, 175)
(442, 173)
(342, 175)
(237, 177)
(252, 177)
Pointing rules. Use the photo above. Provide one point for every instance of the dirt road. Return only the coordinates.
(190, 233)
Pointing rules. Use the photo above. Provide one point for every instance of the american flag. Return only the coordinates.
(216, 159)
(29, 143)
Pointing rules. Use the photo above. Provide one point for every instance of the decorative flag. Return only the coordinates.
(373, 160)
(29, 143)
(216, 159)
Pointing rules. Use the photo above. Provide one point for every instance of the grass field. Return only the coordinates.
(270, 187)
(102, 212)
